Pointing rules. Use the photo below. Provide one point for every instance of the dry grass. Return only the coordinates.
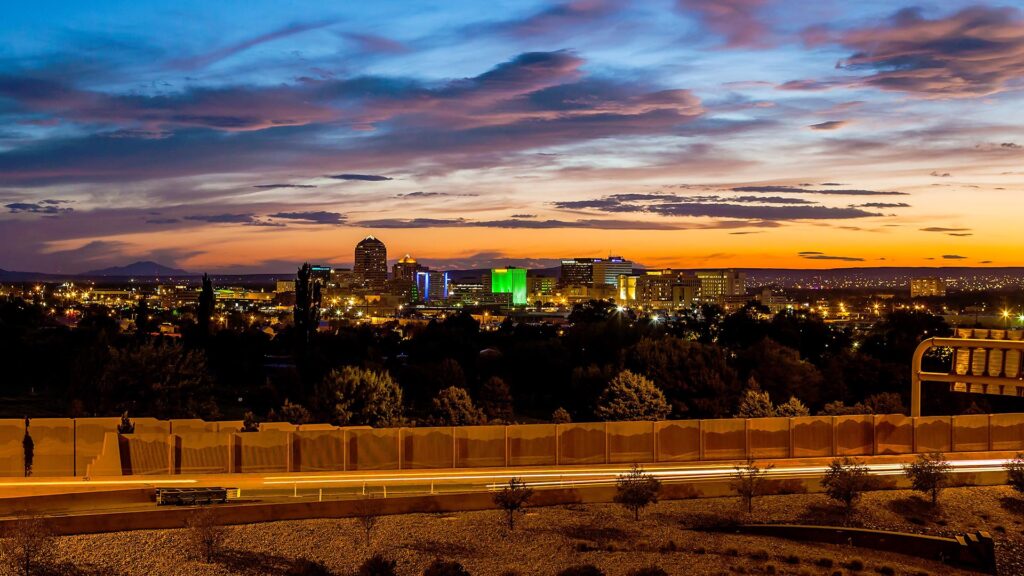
(547, 540)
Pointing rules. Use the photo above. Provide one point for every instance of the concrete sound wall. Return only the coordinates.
(66, 447)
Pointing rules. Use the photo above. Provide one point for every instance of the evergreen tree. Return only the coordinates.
(307, 305)
(630, 396)
(454, 407)
(755, 403)
(495, 399)
(355, 396)
(792, 408)
(204, 310)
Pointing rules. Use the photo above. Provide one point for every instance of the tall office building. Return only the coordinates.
(406, 268)
(607, 271)
(371, 263)
(510, 281)
(922, 287)
(432, 286)
(577, 271)
(715, 284)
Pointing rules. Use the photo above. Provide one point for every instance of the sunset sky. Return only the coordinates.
(250, 136)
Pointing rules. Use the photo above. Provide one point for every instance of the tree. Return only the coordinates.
(929, 473)
(368, 511)
(792, 408)
(355, 396)
(307, 305)
(453, 407)
(696, 378)
(143, 322)
(755, 404)
(780, 371)
(205, 533)
(845, 480)
(295, 413)
(28, 548)
(512, 498)
(205, 307)
(630, 396)
(561, 416)
(1015, 472)
(636, 490)
(126, 426)
(28, 448)
(495, 399)
(158, 378)
(749, 482)
(837, 408)
(445, 568)
(885, 403)
(249, 422)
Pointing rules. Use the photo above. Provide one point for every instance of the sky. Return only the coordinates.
(251, 136)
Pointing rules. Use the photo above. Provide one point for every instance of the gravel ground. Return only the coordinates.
(549, 539)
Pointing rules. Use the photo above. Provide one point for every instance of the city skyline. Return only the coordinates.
(733, 134)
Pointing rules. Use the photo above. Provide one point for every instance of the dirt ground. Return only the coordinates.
(547, 540)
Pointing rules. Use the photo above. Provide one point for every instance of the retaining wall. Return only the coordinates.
(91, 446)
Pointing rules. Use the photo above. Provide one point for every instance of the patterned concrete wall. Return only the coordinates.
(631, 442)
(428, 447)
(532, 444)
(65, 447)
(768, 438)
(894, 434)
(678, 440)
(263, 451)
(855, 435)
(319, 450)
(813, 436)
(971, 433)
(480, 446)
(582, 444)
(933, 434)
(54, 447)
(12, 454)
(724, 439)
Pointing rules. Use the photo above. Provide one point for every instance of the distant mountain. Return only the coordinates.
(147, 268)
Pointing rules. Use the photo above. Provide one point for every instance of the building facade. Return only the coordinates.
(371, 263)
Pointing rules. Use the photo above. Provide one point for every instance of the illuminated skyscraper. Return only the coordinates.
(607, 271)
(405, 269)
(510, 281)
(371, 263)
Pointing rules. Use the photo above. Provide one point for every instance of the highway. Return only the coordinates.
(986, 468)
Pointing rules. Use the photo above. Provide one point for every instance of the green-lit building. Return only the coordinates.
(510, 281)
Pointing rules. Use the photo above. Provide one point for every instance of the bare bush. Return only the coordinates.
(27, 548)
(205, 533)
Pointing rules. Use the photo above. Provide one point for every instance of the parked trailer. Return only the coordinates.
(191, 496)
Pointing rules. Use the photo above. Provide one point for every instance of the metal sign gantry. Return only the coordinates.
(980, 366)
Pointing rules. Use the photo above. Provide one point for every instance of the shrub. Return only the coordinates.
(855, 565)
(561, 416)
(126, 426)
(1015, 473)
(377, 565)
(636, 490)
(444, 568)
(649, 571)
(825, 562)
(368, 515)
(845, 480)
(759, 555)
(205, 533)
(512, 498)
(582, 570)
(28, 548)
(929, 473)
(304, 567)
(886, 570)
(749, 482)
(791, 559)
